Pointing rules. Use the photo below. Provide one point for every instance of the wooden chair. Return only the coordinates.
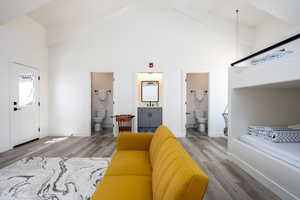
(124, 122)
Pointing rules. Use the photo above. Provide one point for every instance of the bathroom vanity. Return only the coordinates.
(149, 118)
(149, 113)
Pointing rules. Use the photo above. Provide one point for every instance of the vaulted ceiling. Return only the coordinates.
(51, 13)
(13, 8)
(59, 12)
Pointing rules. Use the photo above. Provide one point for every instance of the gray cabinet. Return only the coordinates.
(149, 118)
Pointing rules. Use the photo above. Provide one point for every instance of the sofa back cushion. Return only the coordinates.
(175, 175)
(161, 135)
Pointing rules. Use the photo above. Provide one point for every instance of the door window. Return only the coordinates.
(27, 93)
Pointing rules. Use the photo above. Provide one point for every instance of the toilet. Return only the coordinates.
(100, 115)
(99, 99)
(201, 121)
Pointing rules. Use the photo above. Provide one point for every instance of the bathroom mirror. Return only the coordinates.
(150, 91)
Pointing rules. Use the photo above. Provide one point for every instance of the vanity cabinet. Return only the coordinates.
(149, 118)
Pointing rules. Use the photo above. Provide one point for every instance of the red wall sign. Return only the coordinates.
(151, 64)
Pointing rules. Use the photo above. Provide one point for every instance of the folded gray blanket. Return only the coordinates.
(265, 131)
(285, 136)
(268, 128)
(275, 134)
(264, 134)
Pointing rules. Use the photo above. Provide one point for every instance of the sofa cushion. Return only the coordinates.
(130, 163)
(161, 135)
(175, 175)
(134, 141)
(124, 188)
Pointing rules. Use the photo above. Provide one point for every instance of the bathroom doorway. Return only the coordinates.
(102, 103)
(196, 104)
(149, 98)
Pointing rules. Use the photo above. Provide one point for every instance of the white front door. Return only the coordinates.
(24, 104)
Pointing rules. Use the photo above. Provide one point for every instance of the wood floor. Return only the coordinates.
(227, 180)
(193, 131)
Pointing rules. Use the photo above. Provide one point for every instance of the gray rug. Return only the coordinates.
(42, 178)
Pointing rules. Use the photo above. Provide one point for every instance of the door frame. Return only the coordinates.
(11, 66)
(184, 99)
(91, 101)
(136, 101)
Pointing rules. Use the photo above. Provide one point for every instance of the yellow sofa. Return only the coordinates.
(151, 167)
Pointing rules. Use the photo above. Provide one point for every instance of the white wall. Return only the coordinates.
(22, 40)
(273, 31)
(124, 44)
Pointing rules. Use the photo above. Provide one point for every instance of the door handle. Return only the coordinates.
(187, 113)
(16, 109)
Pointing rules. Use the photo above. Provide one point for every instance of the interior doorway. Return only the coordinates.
(24, 104)
(102, 103)
(149, 100)
(196, 104)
